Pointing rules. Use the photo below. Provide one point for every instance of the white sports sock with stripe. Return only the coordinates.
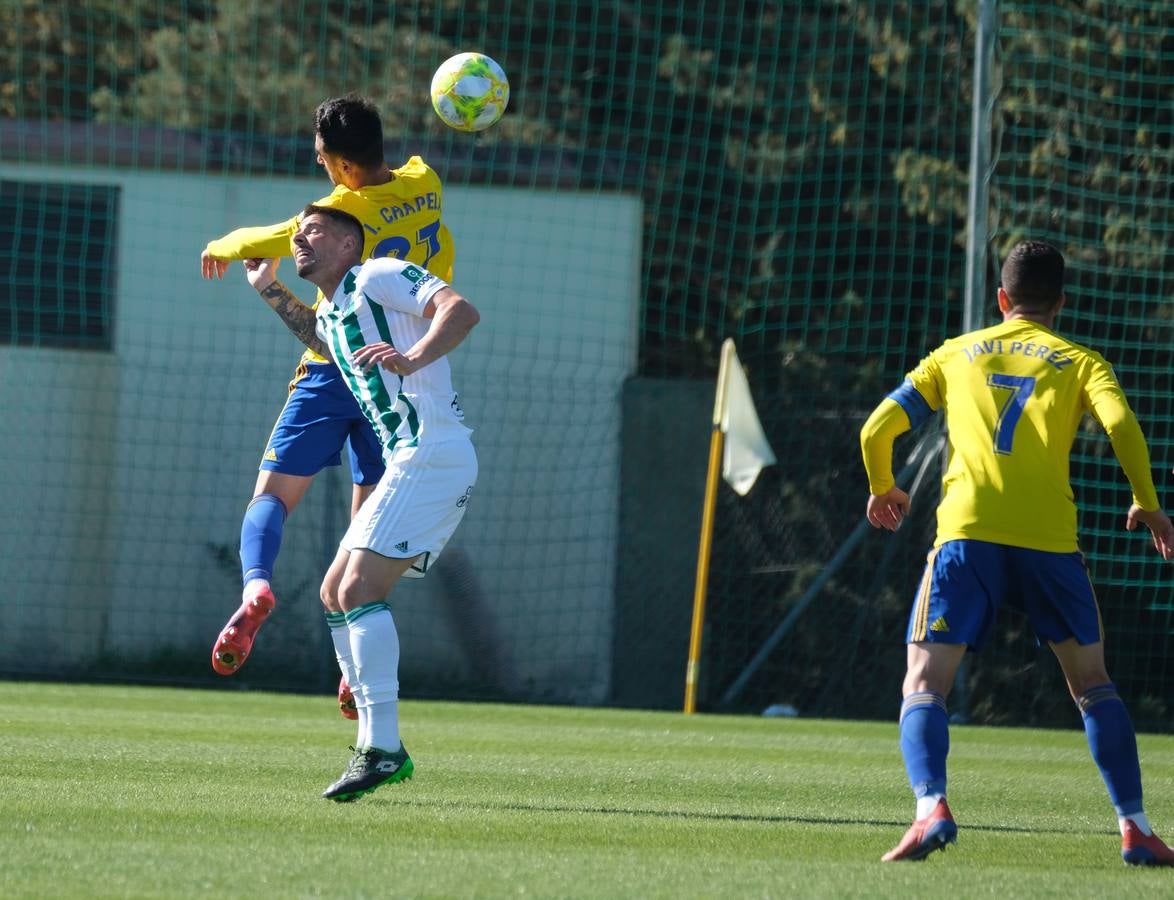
(340, 636)
(375, 650)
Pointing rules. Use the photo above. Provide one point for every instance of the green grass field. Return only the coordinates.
(137, 792)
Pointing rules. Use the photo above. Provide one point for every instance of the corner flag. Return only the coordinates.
(745, 454)
(747, 450)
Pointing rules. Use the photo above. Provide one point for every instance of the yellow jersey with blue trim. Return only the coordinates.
(401, 219)
(1014, 395)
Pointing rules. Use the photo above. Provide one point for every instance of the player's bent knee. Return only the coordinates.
(329, 596)
(289, 489)
(353, 593)
(328, 593)
(1080, 683)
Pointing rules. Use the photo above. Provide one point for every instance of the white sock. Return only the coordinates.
(384, 726)
(375, 651)
(252, 586)
(340, 636)
(1139, 819)
(926, 805)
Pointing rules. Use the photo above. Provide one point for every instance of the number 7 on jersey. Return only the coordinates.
(1020, 387)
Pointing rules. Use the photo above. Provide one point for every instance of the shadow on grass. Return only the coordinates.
(733, 817)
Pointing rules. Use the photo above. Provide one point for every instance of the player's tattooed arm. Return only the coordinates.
(297, 317)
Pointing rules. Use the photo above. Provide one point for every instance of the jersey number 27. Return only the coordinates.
(400, 247)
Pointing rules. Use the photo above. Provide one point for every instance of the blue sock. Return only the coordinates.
(925, 742)
(1114, 746)
(261, 537)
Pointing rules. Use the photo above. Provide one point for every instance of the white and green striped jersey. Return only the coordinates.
(383, 301)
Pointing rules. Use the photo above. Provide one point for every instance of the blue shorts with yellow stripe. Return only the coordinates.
(967, 581)
(319, 417)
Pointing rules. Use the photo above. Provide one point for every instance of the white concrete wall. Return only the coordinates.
(127, 472)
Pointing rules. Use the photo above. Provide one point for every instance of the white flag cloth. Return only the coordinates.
(747, 450)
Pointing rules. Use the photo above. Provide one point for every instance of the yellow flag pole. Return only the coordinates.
(711, 479)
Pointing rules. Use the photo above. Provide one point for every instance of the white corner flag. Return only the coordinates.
(737, 439)
(746, 450)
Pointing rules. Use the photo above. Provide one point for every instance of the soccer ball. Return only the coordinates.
(470, 92)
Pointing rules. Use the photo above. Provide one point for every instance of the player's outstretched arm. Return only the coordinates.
(1161, 529)
(298, 318)
(259, 242)
(211, 266)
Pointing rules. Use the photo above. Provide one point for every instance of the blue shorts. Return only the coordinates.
(319, 416)
(965, 583)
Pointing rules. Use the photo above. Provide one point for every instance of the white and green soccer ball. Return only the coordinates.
(470, 92)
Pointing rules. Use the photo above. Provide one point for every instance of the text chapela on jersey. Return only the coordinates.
(431, 200)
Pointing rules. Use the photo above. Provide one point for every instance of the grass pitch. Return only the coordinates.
(151, 792)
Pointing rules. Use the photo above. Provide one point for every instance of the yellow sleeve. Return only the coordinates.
(887, 422)
(1106, 401)
(928, 381)
(259, 241)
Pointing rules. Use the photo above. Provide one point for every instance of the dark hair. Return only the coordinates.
(1033, 276)
(341, 217)
(351, 128)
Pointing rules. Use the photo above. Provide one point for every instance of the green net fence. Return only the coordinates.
(1082, 158)
(793, 175)
(1085, 152)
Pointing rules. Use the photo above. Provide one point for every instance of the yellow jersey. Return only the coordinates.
(1013, 397)
(400, 218)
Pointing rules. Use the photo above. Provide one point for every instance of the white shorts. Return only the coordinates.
(417, 504)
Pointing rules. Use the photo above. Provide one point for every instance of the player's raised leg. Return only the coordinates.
(274, 498)
(310, 432)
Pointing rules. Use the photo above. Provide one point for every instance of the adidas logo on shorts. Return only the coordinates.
(402, 546)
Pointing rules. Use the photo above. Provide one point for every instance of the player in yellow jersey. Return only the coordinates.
(1013, 397)
(400, 212)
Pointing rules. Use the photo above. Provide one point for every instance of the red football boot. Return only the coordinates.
(1138, 849)
(926, 835)
(346, 700)
(236, 640)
